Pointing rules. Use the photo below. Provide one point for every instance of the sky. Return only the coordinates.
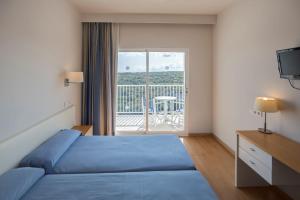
(158, 61)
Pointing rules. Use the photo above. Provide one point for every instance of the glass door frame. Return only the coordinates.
(186, 83)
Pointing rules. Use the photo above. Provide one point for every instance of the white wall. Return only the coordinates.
(196, 38)
(39, 40)
(246, 38)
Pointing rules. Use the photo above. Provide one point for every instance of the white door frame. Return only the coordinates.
(187, 86)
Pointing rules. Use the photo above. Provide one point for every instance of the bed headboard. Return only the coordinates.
(12, 150)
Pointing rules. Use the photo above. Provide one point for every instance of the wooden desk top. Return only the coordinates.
(84, 129)
(279, 147)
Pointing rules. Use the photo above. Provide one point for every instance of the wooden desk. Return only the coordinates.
(263, 159)
(86, 130)
(279, 147)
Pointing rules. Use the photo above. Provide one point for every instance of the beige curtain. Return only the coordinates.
(100, 50)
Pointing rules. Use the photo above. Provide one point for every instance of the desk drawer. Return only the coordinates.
(256, 165)
(256, 152)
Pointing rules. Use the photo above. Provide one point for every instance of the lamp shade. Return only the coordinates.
(74, 77)
(266, 104)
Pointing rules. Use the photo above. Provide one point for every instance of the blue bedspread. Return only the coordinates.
(124, 154)
(167, 185)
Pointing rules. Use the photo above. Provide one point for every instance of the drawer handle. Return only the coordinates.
(252, 149)
(253, 163)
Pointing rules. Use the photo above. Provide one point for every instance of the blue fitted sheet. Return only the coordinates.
(124, 154)
(166, 185)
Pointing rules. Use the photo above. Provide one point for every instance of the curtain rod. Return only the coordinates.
(151, 18)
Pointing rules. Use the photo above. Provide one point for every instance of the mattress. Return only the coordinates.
(124, 154)
(67, 153)
(172, 185)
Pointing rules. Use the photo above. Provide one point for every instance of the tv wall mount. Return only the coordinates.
(293, 85)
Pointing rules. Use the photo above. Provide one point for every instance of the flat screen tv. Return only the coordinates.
(289, 63)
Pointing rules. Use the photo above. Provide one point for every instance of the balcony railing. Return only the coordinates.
(131, 98)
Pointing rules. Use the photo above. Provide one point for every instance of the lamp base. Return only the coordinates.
(262, 130)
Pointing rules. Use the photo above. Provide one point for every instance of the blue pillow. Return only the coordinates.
(16, 182)
(47, 154)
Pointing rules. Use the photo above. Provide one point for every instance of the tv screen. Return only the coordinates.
(289, 63)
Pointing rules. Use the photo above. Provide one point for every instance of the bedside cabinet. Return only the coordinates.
(86, 130)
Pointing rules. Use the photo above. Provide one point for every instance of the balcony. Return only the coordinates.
(165, 108)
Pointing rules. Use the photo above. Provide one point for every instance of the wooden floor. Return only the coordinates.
(217, 165)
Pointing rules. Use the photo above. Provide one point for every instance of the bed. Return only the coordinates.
(33, 184)
(67, 152)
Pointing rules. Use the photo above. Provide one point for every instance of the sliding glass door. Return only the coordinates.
(151, 92)
(131, 92)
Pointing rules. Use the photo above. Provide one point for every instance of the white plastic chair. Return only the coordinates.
(158, 115)
(178, 113)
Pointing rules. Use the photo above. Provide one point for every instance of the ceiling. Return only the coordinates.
(151, 6)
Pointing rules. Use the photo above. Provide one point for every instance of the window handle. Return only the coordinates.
(252, 149)
(253, 163)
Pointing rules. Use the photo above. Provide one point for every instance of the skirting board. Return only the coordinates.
(199, 134)
(15, 148)
(231, 151)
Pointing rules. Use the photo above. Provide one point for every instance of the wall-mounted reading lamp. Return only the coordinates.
(73, 77)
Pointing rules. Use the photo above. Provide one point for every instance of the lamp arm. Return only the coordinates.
(66, 82)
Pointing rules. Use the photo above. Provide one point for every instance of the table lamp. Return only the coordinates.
(266, 105)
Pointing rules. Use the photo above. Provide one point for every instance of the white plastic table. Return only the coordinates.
(165, 99)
